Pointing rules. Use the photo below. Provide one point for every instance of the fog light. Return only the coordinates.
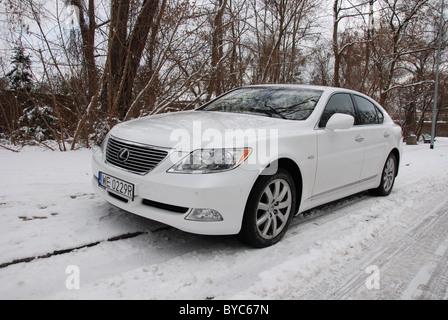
(206, 215)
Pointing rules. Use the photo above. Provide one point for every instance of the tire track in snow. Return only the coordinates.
(401, 276)
(304, 218)
(431, 280)
(64, 251)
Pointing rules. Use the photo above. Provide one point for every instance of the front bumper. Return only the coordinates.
(170, 198)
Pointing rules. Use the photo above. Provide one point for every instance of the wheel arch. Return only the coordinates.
(249, 232)
(396, 153)
(294, 170)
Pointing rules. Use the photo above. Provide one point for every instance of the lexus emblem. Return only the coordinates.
(123, 155)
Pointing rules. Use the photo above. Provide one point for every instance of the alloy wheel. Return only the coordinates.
(274, 208)
(389, 174)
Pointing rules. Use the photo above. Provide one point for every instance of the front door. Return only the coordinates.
(340, 152)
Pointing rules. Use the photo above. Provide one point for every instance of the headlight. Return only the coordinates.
(211, 160)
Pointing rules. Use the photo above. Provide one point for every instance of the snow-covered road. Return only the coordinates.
(59, 240)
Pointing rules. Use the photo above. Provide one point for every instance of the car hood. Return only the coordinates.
(191, 130)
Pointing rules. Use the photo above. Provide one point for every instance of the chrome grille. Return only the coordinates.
(133, 157)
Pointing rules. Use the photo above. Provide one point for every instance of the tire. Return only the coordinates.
(387, 177)
(269, 210)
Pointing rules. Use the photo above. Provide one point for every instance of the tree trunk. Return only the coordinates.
(116, 54)
(88, 44)
(125, 53)
(216, 72)
(337, 56)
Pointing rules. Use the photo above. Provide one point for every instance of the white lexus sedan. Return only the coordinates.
(248, 161)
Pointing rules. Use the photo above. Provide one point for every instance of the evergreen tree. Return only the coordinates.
(20, 77)
(38, 122)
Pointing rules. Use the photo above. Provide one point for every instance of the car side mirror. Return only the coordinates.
(340, 121)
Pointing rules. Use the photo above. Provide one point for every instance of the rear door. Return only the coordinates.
(340, 152)
(376, 138)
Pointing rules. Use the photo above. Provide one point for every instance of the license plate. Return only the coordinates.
(116, 186)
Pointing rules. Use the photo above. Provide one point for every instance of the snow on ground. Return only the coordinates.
(54, 230)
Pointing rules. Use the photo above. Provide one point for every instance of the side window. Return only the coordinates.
(368, 113)
(338, 103)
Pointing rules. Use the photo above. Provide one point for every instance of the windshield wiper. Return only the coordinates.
(303, 102)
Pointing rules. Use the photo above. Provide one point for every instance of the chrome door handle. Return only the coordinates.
(359, 139)
(386, 135)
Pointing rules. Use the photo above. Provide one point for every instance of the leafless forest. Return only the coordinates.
(71, 69)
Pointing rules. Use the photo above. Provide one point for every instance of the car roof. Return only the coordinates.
(314, 87)
(327, 89)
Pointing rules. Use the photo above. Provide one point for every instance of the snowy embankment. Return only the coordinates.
(59, 240)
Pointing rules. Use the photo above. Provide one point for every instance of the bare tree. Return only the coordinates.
(129, 58)
(215, 87)
(88, 26)
(125, 52)
(345, 9)
(389, 44)
(279, 27)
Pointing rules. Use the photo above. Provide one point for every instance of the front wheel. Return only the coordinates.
(387, 177)
(269, 210)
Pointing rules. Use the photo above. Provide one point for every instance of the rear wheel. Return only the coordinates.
(387, 177)
(269, 210)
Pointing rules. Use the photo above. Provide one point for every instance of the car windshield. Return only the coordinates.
(284, 103)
